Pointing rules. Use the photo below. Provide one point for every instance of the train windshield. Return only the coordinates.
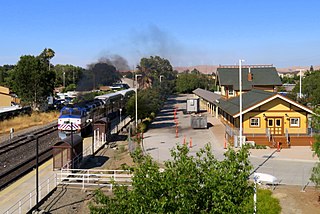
(65, 112)
(76, 111)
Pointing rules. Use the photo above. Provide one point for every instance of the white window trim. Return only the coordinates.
(295, 124)
(255, 118)
(231, 92)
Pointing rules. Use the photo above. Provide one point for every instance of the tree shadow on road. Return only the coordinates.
(161, 125)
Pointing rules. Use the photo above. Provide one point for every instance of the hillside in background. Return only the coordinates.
(208, 69)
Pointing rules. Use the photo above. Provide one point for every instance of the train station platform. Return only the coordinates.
(20, 196)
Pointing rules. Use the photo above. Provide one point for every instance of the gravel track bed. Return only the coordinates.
(20, 154)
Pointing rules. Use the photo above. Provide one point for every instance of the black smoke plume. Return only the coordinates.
(104, 72)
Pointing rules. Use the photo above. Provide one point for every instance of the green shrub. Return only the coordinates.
(261, 147)
(257, 146)
(152, 115)
(148, 120)
(143, 126)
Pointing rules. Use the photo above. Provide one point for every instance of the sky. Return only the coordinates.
(186, 32)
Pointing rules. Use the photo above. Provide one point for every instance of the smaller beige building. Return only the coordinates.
(6, 98)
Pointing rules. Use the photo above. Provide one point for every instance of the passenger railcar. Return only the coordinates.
(78, 118)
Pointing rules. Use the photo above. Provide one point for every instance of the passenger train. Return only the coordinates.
(82, 115)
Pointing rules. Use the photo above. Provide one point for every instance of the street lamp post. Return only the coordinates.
(255, 195)
(64, 79)
(72, 158)
(240, 98)
(136, 76)
(300, 91)
(161, 78)
(32, 137)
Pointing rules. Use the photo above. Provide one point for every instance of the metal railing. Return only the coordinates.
(91, 177)
(27, 202)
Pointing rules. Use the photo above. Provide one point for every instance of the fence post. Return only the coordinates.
(40, 188)
(30, 200)
(302, 183)
(20, 207)
(61, 176)
(97, 144)
(48, 182)
(83, 181)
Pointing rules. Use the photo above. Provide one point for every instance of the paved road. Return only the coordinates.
(292, 166)
(161, 137)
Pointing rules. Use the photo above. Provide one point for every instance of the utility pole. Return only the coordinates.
(72, 154)
(136, 76)
(240, 90)
(64, 79)
(300, 91)
(73, 75)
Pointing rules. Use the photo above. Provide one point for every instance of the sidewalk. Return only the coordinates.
(295, 153)
(11, 195)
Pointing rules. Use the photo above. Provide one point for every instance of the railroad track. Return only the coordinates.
(18, 157)
(23, 140)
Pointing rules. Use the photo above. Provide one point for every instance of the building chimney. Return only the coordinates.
(249, 75)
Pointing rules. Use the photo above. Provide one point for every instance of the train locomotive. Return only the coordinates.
(78, 118)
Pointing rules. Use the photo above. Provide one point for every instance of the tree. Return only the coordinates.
(46, 55)
(67, 74)
(310, 88)
(315, 176)
(32, 80)
(149, 100)
(281, 89)
(154, 67)
(187, 82)
(5, 71)
(195, 71)
(199, 184)
(311, 68)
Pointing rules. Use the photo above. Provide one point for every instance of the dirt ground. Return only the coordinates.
(295, 201)
(75, 200)
(70, 200)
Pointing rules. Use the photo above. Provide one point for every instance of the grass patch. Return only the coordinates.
(257, 146)
(266, 203)
(26, 121)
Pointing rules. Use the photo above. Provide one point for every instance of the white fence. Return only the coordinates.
(91, 177)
